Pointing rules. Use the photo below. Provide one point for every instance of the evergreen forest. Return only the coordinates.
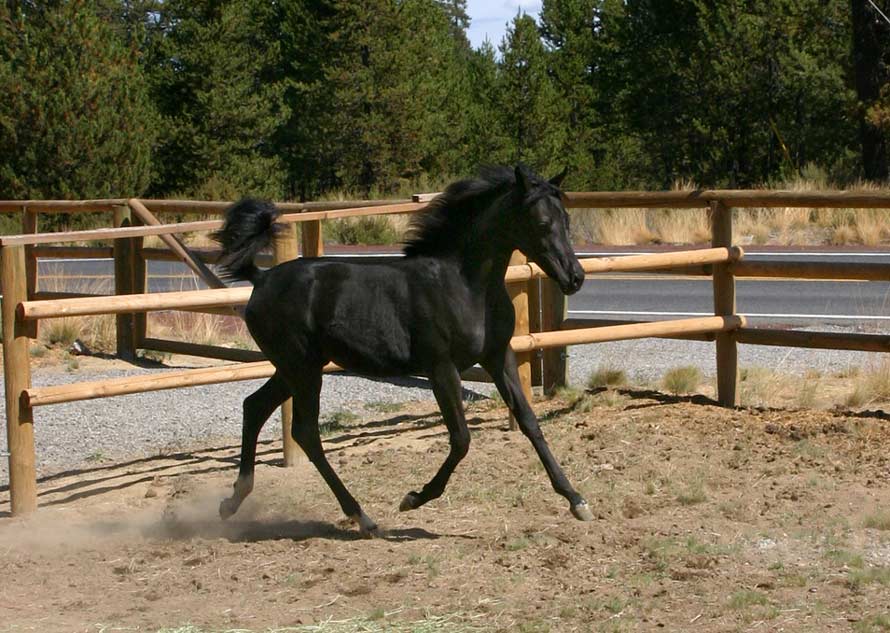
(299, 99)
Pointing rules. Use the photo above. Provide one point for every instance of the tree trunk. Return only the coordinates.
(869, 31)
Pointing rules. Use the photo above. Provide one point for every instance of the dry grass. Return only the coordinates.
(809, 389)
(759, 386)
(871, 385)
(878, 521)
(605, 376)
(783, 225)
(682, 379)
(97, 333)
(871, 226)
(203, 329)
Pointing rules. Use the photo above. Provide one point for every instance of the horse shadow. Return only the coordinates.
(256, 531)
(76, 484)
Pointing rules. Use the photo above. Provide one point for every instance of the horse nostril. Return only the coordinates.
(578, 279)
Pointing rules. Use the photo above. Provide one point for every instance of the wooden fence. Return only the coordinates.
(541, 324)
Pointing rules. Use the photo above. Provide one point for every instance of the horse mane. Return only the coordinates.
(452, 216)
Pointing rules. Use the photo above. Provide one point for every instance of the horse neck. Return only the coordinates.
(484, 263)
(483, 253)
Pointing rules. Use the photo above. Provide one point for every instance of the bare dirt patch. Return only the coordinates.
(706, 519)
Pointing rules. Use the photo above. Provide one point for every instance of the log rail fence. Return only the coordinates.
(542, 334)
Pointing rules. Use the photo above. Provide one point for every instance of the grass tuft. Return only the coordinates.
(746, 598)
(692, 495)
(872, 385)
(859, 578)
(873, 624)
(336, 421)
(878, 521)
(806, 396)
(682, 379)
(758, 386)
(62, 332)
(605, 376)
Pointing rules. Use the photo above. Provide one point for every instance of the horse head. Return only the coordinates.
(542, 232)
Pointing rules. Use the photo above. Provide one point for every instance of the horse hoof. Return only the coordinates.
(410, 502)
(366, 526)
(581, 511)
(371, 533)
(227, 508)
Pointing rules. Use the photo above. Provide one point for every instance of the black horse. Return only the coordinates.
(434, 312)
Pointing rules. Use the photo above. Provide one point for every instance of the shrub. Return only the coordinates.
(363, 230)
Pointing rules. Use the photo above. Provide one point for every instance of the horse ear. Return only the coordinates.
(523, 179)
(556, 181)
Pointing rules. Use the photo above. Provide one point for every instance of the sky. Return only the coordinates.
(490, 17)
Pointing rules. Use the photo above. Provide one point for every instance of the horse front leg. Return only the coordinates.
(446, 385)
(258, 406)
(502, 369)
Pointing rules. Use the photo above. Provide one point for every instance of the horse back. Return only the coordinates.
(391, 317)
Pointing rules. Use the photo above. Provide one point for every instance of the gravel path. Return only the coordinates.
(72, 434)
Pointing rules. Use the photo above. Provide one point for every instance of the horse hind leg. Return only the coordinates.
(257, 408)
(306, 394)
(446, 387)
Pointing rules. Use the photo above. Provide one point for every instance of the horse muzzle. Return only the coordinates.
(569, 275)
(574, 279)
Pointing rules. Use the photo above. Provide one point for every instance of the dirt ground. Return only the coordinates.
(706, 520)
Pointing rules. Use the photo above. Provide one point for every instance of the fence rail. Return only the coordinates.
(540, 325)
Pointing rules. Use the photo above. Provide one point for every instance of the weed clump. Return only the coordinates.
(605, 376)
(682, 379)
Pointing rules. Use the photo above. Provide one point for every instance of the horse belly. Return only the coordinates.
(371, 340)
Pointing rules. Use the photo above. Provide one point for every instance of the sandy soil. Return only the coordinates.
(706, 520)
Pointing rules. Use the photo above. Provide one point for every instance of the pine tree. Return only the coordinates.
(487, 142)
(75, 120)
(528, 100)
(217, 87)
(734, 93)
(436, 60)
(569, 29)
(375, 143)
(304, 142)
(456, 12)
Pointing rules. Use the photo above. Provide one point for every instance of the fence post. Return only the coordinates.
(312, 238)
(555, 307)
(535, 324)
(29, 226)
(125, 324)
(285, 249)
(724, 305)
(139, 276)
(17, 375)
(519, 295)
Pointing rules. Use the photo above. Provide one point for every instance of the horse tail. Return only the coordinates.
(249, 228)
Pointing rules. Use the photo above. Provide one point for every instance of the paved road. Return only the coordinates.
(855, 305)
(621, 296)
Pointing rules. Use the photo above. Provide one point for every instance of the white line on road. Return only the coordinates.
(747, 254)
(844, 317)
(579, 253)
